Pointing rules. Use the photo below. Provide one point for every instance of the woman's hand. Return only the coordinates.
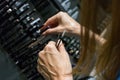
(60, 22)
(54, 63)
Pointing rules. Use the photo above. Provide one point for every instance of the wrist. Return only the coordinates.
(64, 77)
(76, 30)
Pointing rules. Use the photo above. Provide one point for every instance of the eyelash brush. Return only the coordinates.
(60, 38)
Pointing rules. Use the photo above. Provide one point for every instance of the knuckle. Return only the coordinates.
(40, 54)
(62, 13)
(48, 19)
(50, 45)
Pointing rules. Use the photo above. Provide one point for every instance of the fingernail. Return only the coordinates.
(61, 42)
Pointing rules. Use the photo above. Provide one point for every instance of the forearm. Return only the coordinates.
(98, 39)
(77, 30)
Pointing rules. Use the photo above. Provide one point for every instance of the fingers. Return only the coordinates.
(43, 72)
(51, 47)
(53, 21)
(41, 67)
(53, 30)
(41, 55)
(48, 64)
(46, 54)
(40, 62)
(61, 48)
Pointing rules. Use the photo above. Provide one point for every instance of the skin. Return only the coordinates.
(54, 62)
(60, 22)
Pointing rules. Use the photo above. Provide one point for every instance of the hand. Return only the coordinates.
(54, 63)
(60, 22)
